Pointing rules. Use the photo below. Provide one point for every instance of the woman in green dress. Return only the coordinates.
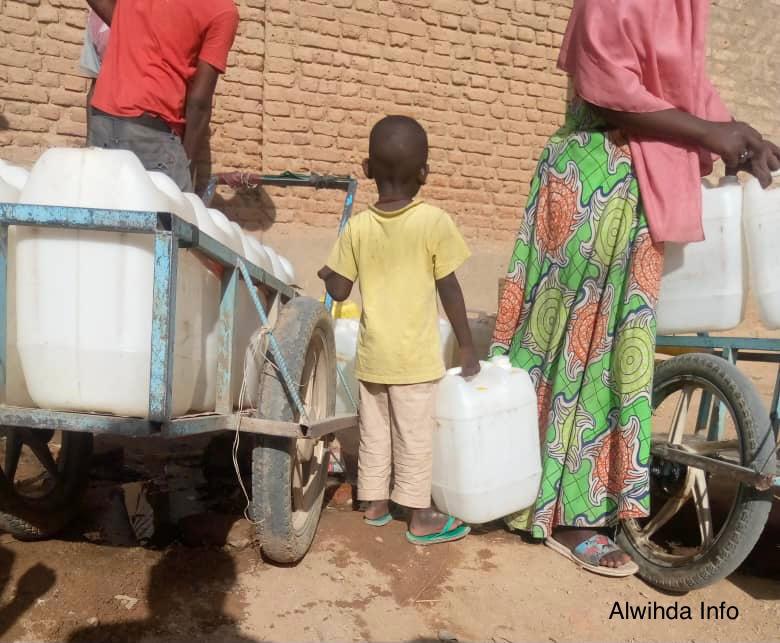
(620, 178)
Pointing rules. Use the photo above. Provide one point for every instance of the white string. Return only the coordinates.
(253, 347)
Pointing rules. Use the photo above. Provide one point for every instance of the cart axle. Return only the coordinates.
(676, 454)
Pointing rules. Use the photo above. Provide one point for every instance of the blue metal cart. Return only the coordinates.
(713, 462)
(43, 475)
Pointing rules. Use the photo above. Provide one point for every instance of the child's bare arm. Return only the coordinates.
(452, 299)
(337, 286)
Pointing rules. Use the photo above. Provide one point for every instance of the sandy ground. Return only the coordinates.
(358, 583)
(203, 578)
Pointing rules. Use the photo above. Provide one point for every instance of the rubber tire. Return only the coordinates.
(751, 507)
(272, 456)
(39, 519)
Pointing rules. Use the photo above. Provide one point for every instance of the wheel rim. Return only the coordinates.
(687, 523)
(309, 455)
(34, 462)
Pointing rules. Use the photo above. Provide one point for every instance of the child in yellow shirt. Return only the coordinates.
(404, 251)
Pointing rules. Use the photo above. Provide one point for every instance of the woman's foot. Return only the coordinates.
(377, 509)
(425, 522)
(571, 537)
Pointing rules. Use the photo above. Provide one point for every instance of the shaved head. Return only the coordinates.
(397, 149)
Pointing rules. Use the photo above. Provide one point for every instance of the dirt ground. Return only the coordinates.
(201, 577)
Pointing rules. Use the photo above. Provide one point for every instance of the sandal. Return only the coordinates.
(379, 522)
(446, 535)
(588, 554)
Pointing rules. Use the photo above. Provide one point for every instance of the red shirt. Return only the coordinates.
(153, 52)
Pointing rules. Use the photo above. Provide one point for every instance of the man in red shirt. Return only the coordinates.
(156, 85)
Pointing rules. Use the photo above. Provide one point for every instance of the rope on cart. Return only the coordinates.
(276, 351)
(253, 347)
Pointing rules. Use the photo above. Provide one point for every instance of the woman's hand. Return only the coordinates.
(742, 148)
(735, 142)
(762, 164)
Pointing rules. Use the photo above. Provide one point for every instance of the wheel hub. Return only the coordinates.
(668, 476)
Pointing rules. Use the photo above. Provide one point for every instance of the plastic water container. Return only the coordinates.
(486, 458)
(218, 227)
(259, 251)
(234, 239)
(282, 268)
(346, 331)
(762, 231)
(344, 309)
(346, 327)
(84, 298)
(449, 343)
(288, 271)
(8, 193)
(12, 180)
(182, 206)
(482, 326)
(204, 397)
(245, 362)
(248, 329)
(276, 265)
(703, 284)
(13, 176)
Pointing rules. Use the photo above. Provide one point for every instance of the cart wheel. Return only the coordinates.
(288, 476)
(43, 475)
(703, 525)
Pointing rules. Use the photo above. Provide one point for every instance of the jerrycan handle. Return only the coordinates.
(457, 370)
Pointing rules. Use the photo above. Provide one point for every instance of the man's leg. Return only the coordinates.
(158, 150)
(375, 452)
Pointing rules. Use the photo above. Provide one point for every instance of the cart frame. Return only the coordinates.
(171, 233)
(683, 461)
(733, 350)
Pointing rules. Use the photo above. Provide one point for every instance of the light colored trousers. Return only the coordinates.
(396, 440)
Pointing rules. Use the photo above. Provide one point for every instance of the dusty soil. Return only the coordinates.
(358, 583)
(201, 577)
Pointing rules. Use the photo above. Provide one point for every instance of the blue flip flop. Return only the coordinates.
(446, 535)
(379, 522)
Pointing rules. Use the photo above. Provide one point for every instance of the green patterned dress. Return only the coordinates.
(578, 313)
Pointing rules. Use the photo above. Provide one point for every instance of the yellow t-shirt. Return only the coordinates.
(398, 256)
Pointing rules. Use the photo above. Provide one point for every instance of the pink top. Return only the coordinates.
(648, 56)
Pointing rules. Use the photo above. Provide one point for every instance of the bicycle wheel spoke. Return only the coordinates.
(13, 451)
(297, 480)
(701, 498)
(670, 509)
(41, 451)
(680, 416)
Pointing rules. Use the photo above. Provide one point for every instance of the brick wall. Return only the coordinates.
(745, 60)
(308, 78)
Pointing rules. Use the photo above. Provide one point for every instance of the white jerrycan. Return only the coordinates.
(346, 333)
(486, 457)
(762, 231)
(703, 283)
(12, 180)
